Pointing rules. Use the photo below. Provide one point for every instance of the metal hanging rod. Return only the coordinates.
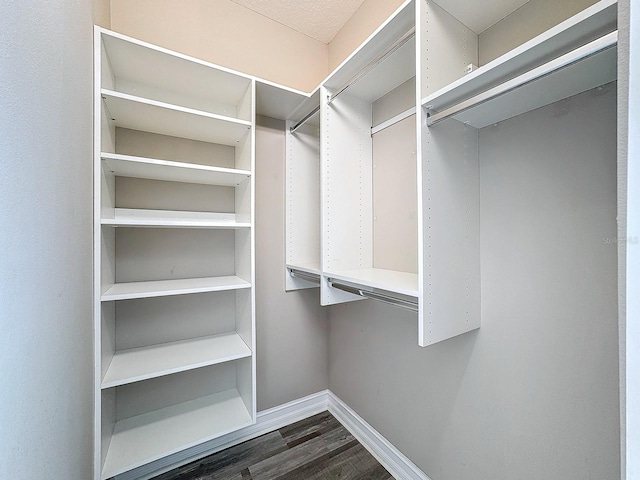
(581, 53)
(381, 297)
(373, 64)
(309, 277)
(305, 119)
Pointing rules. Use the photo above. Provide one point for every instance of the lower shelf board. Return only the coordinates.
(143, 363)
(163, 288)
(388, 280)
(145, 438)
(308, 267)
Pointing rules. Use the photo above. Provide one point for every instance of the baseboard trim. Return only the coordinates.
(389, 456)
(274, 418)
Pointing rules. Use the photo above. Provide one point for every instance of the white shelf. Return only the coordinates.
(398, 68)
(160, 70)
(589, 25)
(137, 113)
(144, 438)
(307, 267)
(388, 280)
(129, 217)
(542, 86)
(143, 363)
(164, 288)
(155, 169)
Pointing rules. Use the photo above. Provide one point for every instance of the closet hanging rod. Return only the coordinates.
(581, 53)
(392, 121)
(374, 63)
(309, 277)
(305, 119)
(381, 297)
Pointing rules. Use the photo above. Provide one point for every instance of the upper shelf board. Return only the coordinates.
(588, 25)
(136, 113)
(277, 101)
(401, 22)
(155, 169)
(145, 64)
(542, 86)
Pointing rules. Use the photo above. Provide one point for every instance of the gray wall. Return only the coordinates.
(46, 359)
(291, 327)
(534, 392)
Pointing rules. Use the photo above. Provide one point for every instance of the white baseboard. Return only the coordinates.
(274, 418)
(389, 456)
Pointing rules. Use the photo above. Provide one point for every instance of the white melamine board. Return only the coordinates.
(161, 70)
(155, 169)
(306, 107)
(593, 71)
(395, 70)
(303, 195)
(386, 35)
(137, 113)
(447, 47)
(347, 202)
(276, 101)
(162, 288)
(292, 282)
(151, 436)
(142, 363)
(346, 186)
(450, 223)
(574, 32)
(391, 281)
(312, 268)
(129, 217)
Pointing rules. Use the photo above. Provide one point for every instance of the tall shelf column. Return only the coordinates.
(174, 252)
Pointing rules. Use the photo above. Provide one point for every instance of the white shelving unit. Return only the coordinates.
(303, 196)
(366, 90)
(378, 133)
(174, 249)
(575, 55)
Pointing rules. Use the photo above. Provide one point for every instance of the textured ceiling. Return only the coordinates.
(319, 19)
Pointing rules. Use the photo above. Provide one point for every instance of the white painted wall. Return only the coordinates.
(45, 217)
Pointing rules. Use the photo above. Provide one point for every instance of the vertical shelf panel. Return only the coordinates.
(302, 202)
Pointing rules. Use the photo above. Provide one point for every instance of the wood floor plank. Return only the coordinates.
(285, 462)
(316, 448)
(225, 464)
(316, 424)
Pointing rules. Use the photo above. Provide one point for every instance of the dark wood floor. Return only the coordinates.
(318, 448)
